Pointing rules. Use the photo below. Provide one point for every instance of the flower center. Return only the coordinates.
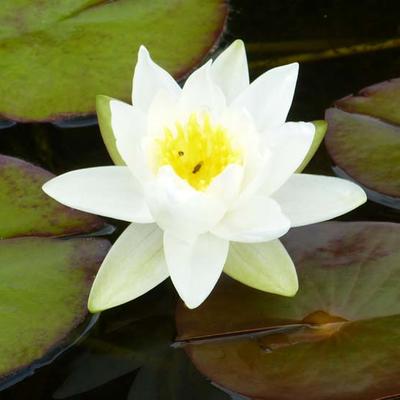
(197, 150)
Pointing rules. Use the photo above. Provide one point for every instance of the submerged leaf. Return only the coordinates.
(173, 377)
(139, 339)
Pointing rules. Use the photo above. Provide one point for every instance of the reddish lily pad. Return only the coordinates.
(25, 210)
(381, 101)
(44, 282)
(338, 338)
(56, 57)
(363, 140)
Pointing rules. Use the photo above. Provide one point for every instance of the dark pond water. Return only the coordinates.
(128, 354)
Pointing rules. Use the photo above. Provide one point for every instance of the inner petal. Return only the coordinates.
(197, 150)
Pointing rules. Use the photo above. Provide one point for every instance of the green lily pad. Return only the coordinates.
(363, 140)
(338, 338)
(44, 281)
(44, 286)
(25, 210)
(56, 57)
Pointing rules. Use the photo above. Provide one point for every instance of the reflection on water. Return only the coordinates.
(380, 198)
(128, 355)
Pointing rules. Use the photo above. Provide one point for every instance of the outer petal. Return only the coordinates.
(230, 71)
(179, 208)
(258, 220)
(320, 131)
(288, 145)
(108, 191)
(264, 266)
(149, 79)
(270, 96)
(134, 265)
(195, 265)
(201, 93)
(103, 109)
(129, 126)
(307, 199)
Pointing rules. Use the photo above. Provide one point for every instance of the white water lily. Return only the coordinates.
(209, 183)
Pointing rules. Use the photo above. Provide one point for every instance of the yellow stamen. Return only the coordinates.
(198, 151)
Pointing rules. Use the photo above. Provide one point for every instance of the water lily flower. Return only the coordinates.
(209, 184)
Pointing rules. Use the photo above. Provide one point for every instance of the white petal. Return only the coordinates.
(269, 97)
(162, 113)
(148, 79)
(200, 93)
(226, 186)
(263, 266)
(108, 191)
(195, 265)
(288, 146)
(246, 138)
(256, 175)
(284, 149)
(134, 265)
(258, 220)
(129, 126)
(179, 208)
(307, 199)
(230, 71)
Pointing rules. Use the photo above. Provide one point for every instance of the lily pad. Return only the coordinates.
(44, 285)
(363, 140)
(25, 210)
(338, 338)
(56, 57)
(44, 281)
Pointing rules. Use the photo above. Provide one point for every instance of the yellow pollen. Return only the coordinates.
(197, 150)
